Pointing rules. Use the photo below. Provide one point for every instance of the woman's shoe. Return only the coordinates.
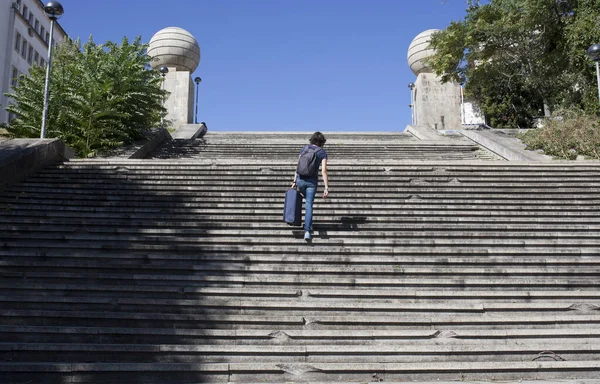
(307, 236)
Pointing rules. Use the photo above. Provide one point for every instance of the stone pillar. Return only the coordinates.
(437, 105)
(179, 51)
(180, 101)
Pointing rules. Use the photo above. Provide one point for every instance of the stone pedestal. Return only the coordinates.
(180, 101)
(437, 105)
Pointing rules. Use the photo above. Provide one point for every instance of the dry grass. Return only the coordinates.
(568, 136)
(3, 135)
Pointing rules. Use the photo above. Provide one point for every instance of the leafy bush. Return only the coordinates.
(569, 135)
(522, 59)
(101, 96)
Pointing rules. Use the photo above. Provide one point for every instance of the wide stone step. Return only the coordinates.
(437, 152)
(23, 220)
(52, 373)
(277, 184)
(340, 217)
(319, 244)
(344, 175)
(565, 223)
(474, 167)
(161, 353)
(581, 319)
(184, 336)
(456, 191)
(200, 169)
(412, 172)
(317, 308)
(198, 241)
(275, 197)
(484, 171)
(329, 254)
(182, 291)
(324, 210)
(471, 270)
(367, 259)
(308, 282)
(269, 233)
(362, 189)
(402, 255)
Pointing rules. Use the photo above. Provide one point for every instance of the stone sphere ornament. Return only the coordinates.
(174, 47)
(420, 50)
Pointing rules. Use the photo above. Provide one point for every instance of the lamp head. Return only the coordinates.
(594, 52)
(197, 80)
(411, 86)
(54, 10)
(164, 70)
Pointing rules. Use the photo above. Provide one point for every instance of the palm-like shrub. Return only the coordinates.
(101, 96)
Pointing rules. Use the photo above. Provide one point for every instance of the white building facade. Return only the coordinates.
(24, 37)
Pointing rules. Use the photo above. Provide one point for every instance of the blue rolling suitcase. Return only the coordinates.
(292, 208)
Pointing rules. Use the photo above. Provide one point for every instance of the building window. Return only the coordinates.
(30, 55)
(15, 77)
(24, 49)
(42, 31)
(42, 62)
(37, 25)
(25, 11)
(36, 57)
(18, 42)
(47, 37)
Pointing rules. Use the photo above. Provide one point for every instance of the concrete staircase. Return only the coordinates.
(179, 269)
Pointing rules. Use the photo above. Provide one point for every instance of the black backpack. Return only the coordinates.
(308, 164)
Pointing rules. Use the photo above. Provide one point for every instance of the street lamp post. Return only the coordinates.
(594, 54)
(54, 11)
(411, 86)
(163, 70)
(197, 80)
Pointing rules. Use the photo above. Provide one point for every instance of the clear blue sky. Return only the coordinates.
(285, 65)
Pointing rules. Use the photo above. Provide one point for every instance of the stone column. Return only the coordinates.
(180, 101)
(437, 105)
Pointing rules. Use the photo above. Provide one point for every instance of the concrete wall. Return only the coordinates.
(437, 105)
(19, 158)
(471, 114)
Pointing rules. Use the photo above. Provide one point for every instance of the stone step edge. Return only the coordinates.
(290, 306)
(378, 223)
(154, 243)
(585, 270)
(299, 320)
(390, 255)
(477, 335)
(307, 351)
(332, 368)
(321, 281)
(282, 293)
(356, 232)
(407, 163)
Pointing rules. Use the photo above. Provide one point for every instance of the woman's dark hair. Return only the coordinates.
(317, 139)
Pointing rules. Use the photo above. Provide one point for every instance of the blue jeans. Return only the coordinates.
(309, 190)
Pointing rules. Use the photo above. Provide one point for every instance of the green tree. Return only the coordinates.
(102, 96)
(520, 59)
